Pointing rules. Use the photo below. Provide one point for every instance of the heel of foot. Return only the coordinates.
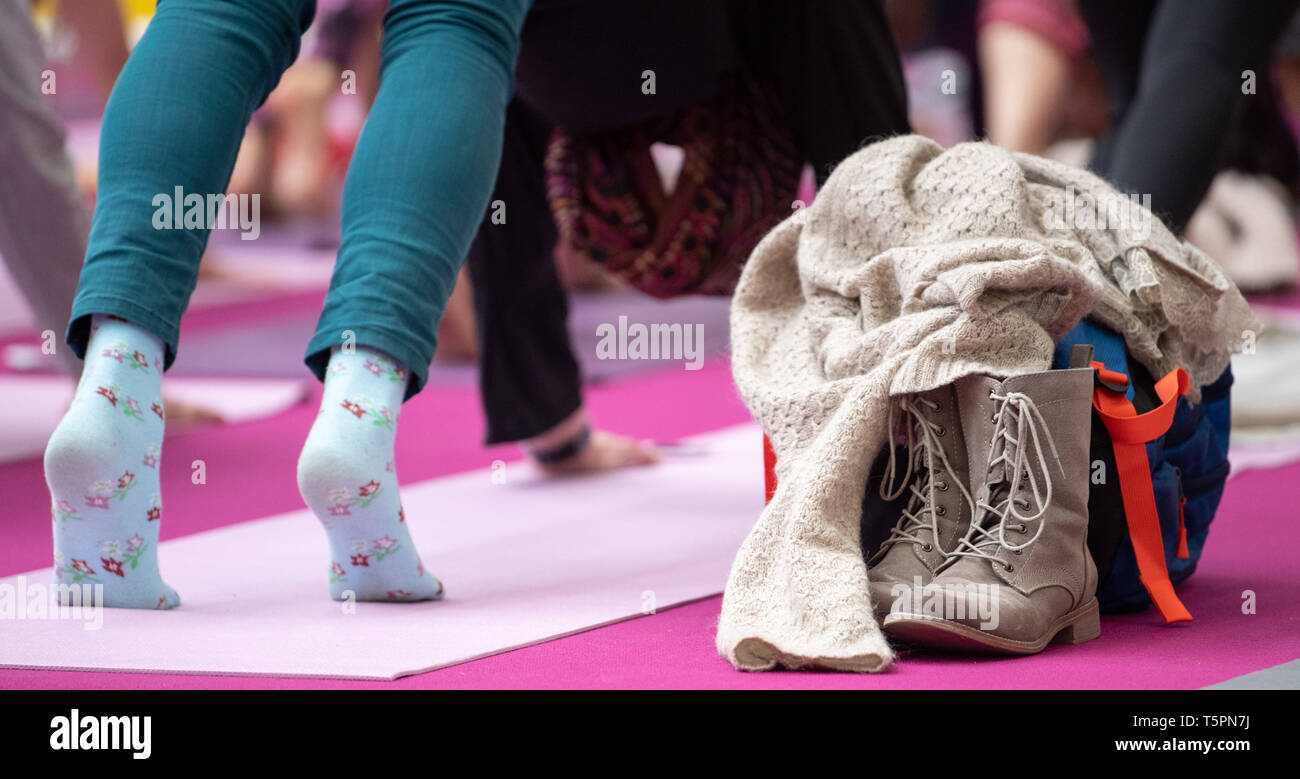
(79, 447)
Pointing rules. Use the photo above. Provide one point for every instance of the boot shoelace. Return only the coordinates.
(1018, 431)
(924, 448)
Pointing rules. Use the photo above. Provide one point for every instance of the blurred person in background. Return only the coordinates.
(44, 222)
(1163, 86)
(1175, 75)
(578, 170)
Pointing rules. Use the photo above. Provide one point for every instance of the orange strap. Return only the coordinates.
(1183, 552)
(1129, 433)
(769, 470)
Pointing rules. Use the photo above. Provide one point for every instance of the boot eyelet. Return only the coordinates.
(1010, 567)
(1022, 528)
(927, 548)
(1018, 551)
(942, 486)
(941, 431)
(940, 510)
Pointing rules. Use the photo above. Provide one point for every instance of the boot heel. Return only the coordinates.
(1085, 628)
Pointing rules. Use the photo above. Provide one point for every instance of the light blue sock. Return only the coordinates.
(101, 465)
(346, 476)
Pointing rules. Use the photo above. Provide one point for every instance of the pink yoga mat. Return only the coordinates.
(524, 561)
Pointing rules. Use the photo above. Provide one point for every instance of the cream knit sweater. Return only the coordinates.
(916, 266)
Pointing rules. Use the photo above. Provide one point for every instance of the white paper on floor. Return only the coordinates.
(524, 561)
(44, 399)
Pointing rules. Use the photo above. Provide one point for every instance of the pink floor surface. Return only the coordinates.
(441, 435)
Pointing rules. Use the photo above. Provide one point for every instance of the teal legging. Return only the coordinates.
(416, 190)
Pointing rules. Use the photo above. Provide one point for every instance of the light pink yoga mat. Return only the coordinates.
(523, 561)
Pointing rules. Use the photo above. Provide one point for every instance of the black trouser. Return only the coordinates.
(1173, 78)
(834, 66)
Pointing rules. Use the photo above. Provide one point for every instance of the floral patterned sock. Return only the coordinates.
(101, 465)
(347, 478)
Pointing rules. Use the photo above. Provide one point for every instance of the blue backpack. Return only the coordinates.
(1148, 517)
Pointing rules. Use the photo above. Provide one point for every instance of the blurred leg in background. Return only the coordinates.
(1174, 78)
(43, 219)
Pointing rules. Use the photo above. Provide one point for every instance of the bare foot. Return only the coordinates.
(604, 451)
(183, 416)
(302, 168)
(253, 163)
(457, 332)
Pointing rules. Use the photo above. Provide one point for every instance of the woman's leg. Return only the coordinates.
(529, 379)
(43, 221)
(416, 190)
(1170, 140)
(174, 120)
(573, 72)
(420, 176)
(1117, 31)
(1026, 82)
